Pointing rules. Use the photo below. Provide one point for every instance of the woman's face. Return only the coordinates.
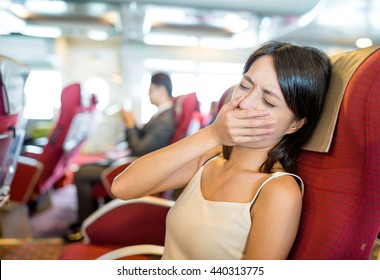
(262, 91)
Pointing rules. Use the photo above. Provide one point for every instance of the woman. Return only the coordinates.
(244, 203)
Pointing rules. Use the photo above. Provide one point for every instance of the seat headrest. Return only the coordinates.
(226, 96)
(186, 101)
(344, 66)
(13, 76)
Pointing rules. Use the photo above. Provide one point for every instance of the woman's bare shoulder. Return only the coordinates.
(282, 191)
(283, 185)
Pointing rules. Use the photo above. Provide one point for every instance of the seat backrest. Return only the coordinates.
(185, 108)
(69, 132)
(126, 223)
(13, 76)
(341, 206)
(226, 97)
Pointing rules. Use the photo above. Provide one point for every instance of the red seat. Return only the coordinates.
(186, 108)
(64, 142)
(341, 210)
(102, 190)
(13, 76)
(119, 224)
(226, 97)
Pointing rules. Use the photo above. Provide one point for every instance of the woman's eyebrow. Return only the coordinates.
(272, 93)
(248, 79)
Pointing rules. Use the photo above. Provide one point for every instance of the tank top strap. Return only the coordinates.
(274, 176)
(210, 158)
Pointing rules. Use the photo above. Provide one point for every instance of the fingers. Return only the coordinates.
(247, 139)
(253, 128)
(247, 119)
(236, 126)
(234, 132)
(230, 108)
(248, 114)
(233, 104)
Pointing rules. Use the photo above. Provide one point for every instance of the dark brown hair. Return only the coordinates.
(163, 79)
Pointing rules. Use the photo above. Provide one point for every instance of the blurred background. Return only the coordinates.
(113, 46)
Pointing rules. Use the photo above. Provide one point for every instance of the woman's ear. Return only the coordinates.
(296, 124)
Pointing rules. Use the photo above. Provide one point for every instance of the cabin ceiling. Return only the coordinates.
(238, 23)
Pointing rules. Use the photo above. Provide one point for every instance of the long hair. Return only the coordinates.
(304, 76)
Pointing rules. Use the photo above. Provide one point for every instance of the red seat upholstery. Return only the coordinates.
(226, 97)
(102, 189)
(13, 76)
(121, 223)
(71, 129)
(185, 108)
(341, 210)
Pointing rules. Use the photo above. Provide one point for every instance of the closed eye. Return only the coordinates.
(243, 87)
(268, 103)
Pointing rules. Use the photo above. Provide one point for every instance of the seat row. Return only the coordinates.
(30, 172)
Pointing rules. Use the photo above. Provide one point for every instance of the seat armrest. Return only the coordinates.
(143, 249)
(32, 149)
(27, 173)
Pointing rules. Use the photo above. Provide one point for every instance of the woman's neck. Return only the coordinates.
(247, 158)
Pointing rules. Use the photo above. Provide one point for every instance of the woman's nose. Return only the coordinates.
(251, 101)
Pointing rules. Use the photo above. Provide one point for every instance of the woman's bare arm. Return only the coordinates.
(168, 168)
(173, 166)
(275, 219)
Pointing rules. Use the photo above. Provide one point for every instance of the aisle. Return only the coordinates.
(56, 220)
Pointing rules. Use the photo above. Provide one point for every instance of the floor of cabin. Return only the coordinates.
(46, 229)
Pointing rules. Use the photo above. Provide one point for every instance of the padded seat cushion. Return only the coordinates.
(82, 251)
(341, 211)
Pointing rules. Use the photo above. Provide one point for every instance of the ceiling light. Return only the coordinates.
(97, 35)
(176, 65)
(169, 15)
(216, 43)
(171, 40)
(47, 7)
(342, 15)
(234, 23)
(20, 11)
(9, 23)
(42, 31)
(364, 42)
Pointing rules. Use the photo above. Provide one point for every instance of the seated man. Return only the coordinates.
(154, 135)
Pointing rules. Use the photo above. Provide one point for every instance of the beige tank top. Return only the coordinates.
(200, 229)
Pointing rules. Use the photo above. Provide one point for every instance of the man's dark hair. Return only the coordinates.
(163, 79)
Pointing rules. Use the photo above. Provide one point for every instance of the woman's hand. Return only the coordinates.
(235, 126)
